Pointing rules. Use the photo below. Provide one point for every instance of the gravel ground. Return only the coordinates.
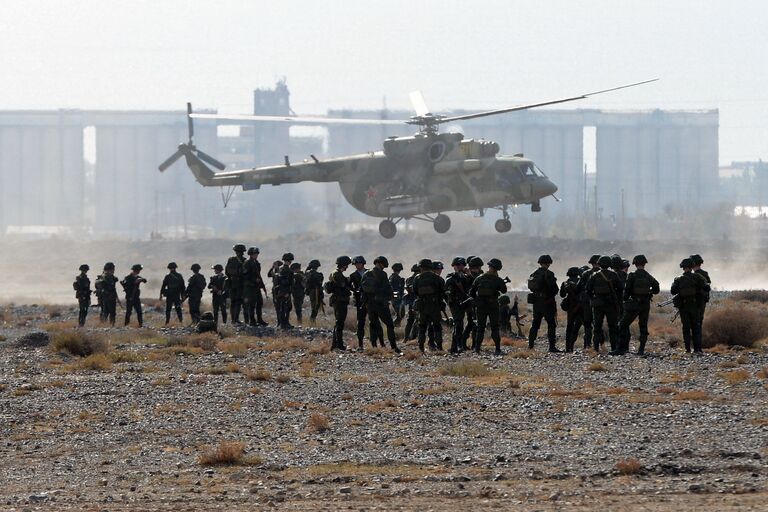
(365, 431)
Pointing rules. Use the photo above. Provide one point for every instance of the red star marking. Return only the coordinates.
(371, 192)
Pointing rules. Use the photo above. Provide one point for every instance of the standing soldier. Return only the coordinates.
(689, 290)
(218, 293)
(377, 292)
(283, 289)
(195, 289)
(411, 328)
(252, 285)
(475, 270)
(698, 261)
(82, 286)
(98, 291)
(298, 289)
(457, 286)
(581, 289)
(485, 291)
(573, 305)
(362, 311)
(173, 289)
(273, 274)
(505, 314)
(234, 273)
(131, 285)
(604, 289)
(339, 288)
(429, 289)
(397, 283)
(314, 289)
(108, 283)
(543, 286)
(639, 289)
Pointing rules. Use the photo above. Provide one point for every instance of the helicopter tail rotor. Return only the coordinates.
(189, 147)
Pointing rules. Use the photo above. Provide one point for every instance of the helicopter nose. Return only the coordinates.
(544, 188)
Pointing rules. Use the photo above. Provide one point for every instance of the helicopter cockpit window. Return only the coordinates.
(527, 170)
(538, 171)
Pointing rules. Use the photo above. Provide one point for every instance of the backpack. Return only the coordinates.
(536, 282)
(602, 284)
(642, 285)
(687, 287)
(329, 287)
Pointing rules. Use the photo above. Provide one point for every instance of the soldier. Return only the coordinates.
(98, 291)
(340, 289)
(698, 261)
(234, 273)
(581, 290)
(82, 286)
(207, 322)
(398, 290)
(174, 290)
(689, 290)
(457, 285)
(377, 294)
(108, 285)
(505, 314)
(131, 285)
(474, 270)
(362, 312)
(195, 289)
(283, 289)
(273, 274)
(485, 292)
(437, 268)
(429, 289)
(617, 265)
(515, 313)
(604, 289)
(298, 289)
(218, 293)
(573, 305)
(543, 286)
(411, 329)
(639, 289)
(252, 285)
(314, 289)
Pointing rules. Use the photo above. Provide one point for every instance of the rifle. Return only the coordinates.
(665, 303)
(677, 314)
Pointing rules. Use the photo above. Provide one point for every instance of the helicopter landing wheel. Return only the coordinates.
(503, 225)
(387, 228)
(442, 223)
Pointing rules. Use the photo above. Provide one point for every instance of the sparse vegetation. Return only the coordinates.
(760, 296)
(629, 467)
(597, 366)
(259, 374)
(735, 376)
(95, 362)
(465, 368)
(79, 343)
(228, 453)
(734, 325)
(695, 395)
(318, 422)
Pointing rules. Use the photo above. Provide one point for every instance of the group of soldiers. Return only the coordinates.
(605, 291)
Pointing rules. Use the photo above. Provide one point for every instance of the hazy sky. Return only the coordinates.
(461, 54)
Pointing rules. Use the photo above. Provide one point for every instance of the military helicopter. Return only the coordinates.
(416, 177)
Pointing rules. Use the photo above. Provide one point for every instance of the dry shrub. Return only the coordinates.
(762, 373)
(498, 379)
(287, 343)
(254, 391)
(306, 368)
(378, 352)
(728, 364)
(318, 422)
(411, 355)
(58, 326)
(629, 467)
(162, 381)
(379, 406)
(124, 356)
(743, 359)
(438, 390)
(319, 349)
(96, 362)
(666, 390)
(222, 370)
(734, 325)
(735, 376)
(572, 393)
(237, 349)
(523, 354)
(228, 453)
(79, 343)
(750, 295)
(695, 395)
(616, 391)
(259, 374)
(283, 378)
(597, 367)
(206, 341)
(465, 369)
(673, 378)
(54, 311)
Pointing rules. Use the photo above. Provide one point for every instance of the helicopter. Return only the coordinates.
(414, 177)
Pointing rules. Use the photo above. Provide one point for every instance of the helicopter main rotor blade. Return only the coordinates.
(171, 160)
(541, 104)
(190, 125)
(209, 159)
(296, 119)
(419, 105)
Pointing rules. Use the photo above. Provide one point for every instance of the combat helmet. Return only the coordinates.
(475, 261)
(686, 263)
(397, 267)
(458, 260)
(594, 259)
(137, 267)
(504, 300)
(195, 267)
(358, 260)
(217, 267)
(288, 256)
(343, 261)
(573, 272)
(604, 261)
(381, 259)
(494, 263)
(415, 267)
(545, 259)
(696, 259)
(295, 266)
(425, 264)
(253, 250)
(616, 261)
(172, 265)
(84, 268)
(437, 265)
(640, 259)
(624, 264)
(313, 264)
(109, 266)
(238, 247)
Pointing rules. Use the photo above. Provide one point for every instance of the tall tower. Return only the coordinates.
(271, 140)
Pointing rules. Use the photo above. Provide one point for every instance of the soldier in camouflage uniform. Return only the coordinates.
(639, 289)
(218, 293)
(485, 292)
(581, 291)
(195, 289)
(573, 305)
(543, 286)
(430, 290)
(411, 328)
(252, 286)
(131, 285)
(82, 286)
(474, 270)
(340, 290)
(397, 282)
(108, 285)
(314, 289)
(362, 311)
(377, 294)
(698, 261)
(284, 290)
(505, 314)
(689, 290)
(604, 289)
(174, 290)
(298, 290)
(234, 272)
(457, 285)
